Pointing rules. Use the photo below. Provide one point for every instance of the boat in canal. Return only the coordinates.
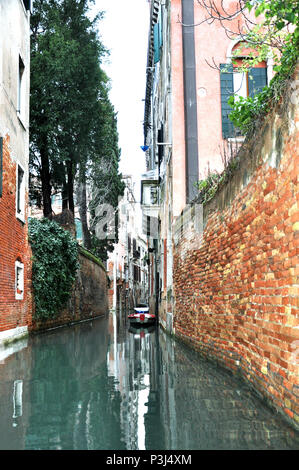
(141, 316)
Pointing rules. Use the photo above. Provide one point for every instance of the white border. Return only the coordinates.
(21, 215)
(20, 266)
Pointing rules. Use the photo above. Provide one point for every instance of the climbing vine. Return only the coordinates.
(55, 263)
(247, 112)
(278, 36)
(207, 188)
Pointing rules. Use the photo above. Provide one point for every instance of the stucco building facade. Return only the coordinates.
(225, 273)
(187, 132)
(15, 257)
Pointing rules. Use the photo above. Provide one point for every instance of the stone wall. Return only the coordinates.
(89, 297)
(236, 284)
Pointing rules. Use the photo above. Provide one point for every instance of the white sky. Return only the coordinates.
(124, 31)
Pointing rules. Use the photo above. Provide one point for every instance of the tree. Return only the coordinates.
(74, 141)
(66, 78)
(102, 177)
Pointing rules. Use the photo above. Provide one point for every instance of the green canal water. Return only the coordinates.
(102, 385)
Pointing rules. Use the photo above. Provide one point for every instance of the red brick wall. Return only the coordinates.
(237, 285)
(13, 246)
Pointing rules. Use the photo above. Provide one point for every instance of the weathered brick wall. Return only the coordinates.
(236, 285)
(89, 297)
(14, 247)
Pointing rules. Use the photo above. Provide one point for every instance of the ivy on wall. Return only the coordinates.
(54, 267)
(281, 18)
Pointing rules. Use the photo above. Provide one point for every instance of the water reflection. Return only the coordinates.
(105, 385)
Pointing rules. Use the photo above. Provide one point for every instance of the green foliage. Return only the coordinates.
(102, 247)
(65, 80)
(91, 256)
(247, 112)
(55, 263)
(208, 187)
(73, 127)
(280, 13)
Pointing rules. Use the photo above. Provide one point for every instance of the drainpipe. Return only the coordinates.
(190, 101)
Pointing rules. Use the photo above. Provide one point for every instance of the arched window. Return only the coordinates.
(234, 81)
(253, 81)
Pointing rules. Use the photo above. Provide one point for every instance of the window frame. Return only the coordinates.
(21, 90)
(19, 271)
(237, 137)
(20, 194)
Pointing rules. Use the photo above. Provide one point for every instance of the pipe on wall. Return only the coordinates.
(190, 99)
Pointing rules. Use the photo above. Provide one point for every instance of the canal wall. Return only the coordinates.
(89, 297)
(236, 281)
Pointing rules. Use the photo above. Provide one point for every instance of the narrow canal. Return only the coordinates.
(100, 385)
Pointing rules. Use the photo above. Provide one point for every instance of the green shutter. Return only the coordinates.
(156, 43)
(257, 80)
(158, 37)
(160, 22)
(227, 90)
(1, 164)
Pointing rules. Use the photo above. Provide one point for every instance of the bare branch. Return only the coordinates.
(237, 23)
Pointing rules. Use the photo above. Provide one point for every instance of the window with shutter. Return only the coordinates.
(158, 38)
(240, 84)
(227, 90)
(257, 80)
(156, 43)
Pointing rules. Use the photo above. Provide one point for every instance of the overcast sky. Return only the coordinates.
(124, 31)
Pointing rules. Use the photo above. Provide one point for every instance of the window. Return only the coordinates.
(19, 280)
(27, 4)
(21, 85)
(250, 83)
(20, 196)
(241, 84)
(158, 38)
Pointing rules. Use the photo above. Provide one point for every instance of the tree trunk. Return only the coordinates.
(82, 201)
(70, 186)
(46, 185)
(64, 194)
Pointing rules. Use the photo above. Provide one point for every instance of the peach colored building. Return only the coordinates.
(187, 132)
